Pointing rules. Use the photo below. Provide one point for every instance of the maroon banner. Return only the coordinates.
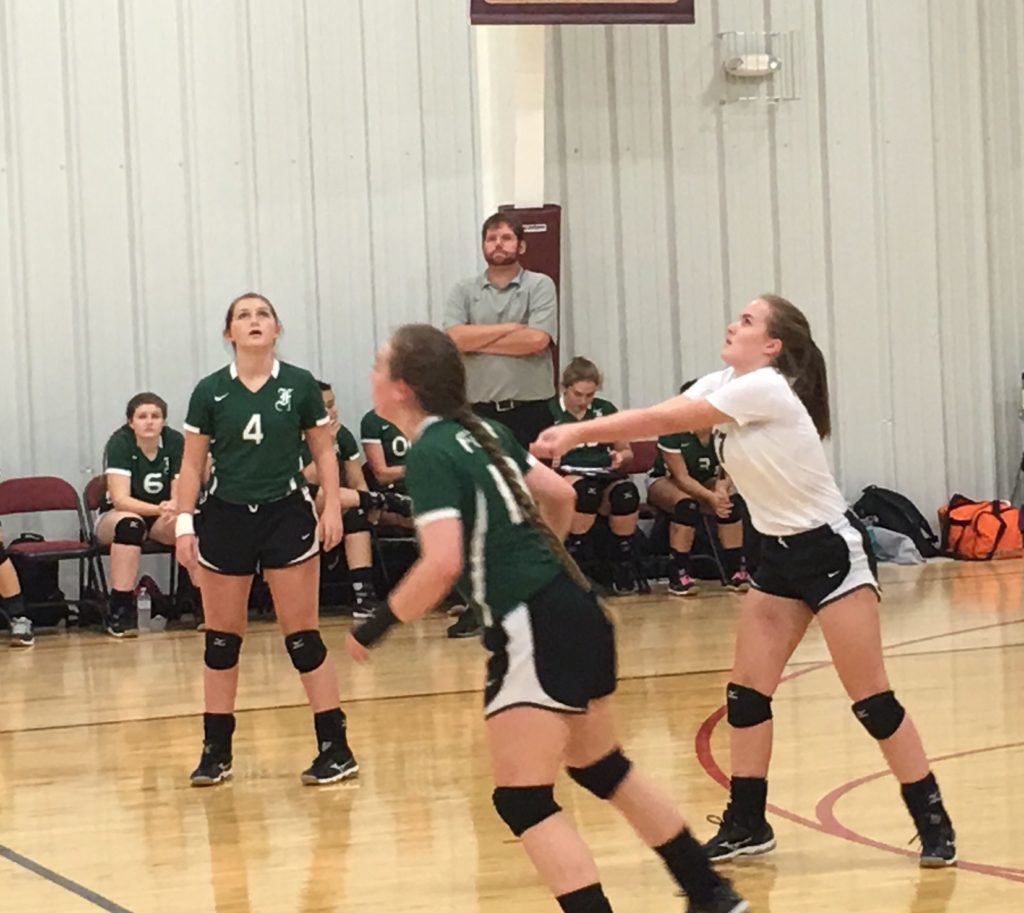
(578, 12)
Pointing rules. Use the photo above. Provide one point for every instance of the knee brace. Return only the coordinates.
(880, 714)
(624, 499)
(354, 521)
(222, 649)
(523, 807)
(306, 650)
(686, 513)
(588, 496)
(735, 512)
(603, 777)
(129, 531)
(746, 707)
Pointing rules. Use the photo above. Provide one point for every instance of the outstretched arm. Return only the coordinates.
(677, 414)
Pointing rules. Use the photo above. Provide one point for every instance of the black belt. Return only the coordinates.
(507, 405)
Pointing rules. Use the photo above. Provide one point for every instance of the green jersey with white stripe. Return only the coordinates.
(506, 561)
(699, 456)
(150, 478)
(586, 456)
(256, 438)
(374, 430)
(345, 448)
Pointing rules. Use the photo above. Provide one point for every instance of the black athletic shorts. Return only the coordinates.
(820, 565)
(235, 539)
(556, 651)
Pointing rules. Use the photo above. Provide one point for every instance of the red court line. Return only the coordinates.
(825, 811)
(702, 744)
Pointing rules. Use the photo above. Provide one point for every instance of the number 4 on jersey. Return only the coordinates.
(254, 429)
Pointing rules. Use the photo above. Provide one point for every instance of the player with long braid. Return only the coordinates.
(552, 649)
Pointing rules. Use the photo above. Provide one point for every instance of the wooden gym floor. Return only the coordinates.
(97, 738)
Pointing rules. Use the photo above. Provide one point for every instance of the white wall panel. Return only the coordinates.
(887, 201)
(159, 158)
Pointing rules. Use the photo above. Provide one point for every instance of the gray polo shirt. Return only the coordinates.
(528, 299)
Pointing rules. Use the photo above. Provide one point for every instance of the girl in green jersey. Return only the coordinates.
(552, 650)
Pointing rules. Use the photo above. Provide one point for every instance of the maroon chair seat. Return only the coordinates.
(52, 548)
(45, 494)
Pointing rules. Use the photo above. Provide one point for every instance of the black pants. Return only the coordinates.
(526, 419)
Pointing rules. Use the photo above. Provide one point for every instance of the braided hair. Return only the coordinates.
(430, 364)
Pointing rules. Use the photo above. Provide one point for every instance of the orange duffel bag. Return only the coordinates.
(980, 530)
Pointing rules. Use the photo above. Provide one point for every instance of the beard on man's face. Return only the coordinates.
(500, 257)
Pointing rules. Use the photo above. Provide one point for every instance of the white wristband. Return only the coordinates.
(184, 525)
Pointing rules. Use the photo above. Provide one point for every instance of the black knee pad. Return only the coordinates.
(746, 707)
(588, 496)
(523, 807)
(735, 512)
(603, 777)
(686, 513)
(624, 499)
(130, 531)
(306, 650)
(222, 649)
(880, 714)
(354, 521)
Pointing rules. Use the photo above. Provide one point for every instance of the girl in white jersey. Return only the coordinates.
(769, 409)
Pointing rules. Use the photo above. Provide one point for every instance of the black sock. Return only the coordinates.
(923, 798)
(686, 860)
(590, 899)
(580, 546)
(680, 563)
(362, 582)
(622, 547)
(218, 728)
(330, 727)
(748, 797)
(121, 599)
(732, 559)
(13, 606)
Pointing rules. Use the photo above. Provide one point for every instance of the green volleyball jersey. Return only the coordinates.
(256, 438)
(700, 458)
(345, 447)
(374, 430)
(150, 478)
(505, 560)
(586, 456)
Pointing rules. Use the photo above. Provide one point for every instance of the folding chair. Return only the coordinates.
(42, 494)
(93, 495)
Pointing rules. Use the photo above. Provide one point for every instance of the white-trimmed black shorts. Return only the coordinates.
(819, 566)
(556, 652)
(235, 539)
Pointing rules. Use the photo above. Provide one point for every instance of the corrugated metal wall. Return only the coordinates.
(161, 156)
(888, 202)
(158, 157)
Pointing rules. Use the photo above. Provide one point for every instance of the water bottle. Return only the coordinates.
(145, 607)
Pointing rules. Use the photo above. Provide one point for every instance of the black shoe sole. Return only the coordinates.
(202, 781)
(758, 849)
(936, 862)
(349, 772)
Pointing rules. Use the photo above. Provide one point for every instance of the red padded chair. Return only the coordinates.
(644, 454)
(42, 494)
